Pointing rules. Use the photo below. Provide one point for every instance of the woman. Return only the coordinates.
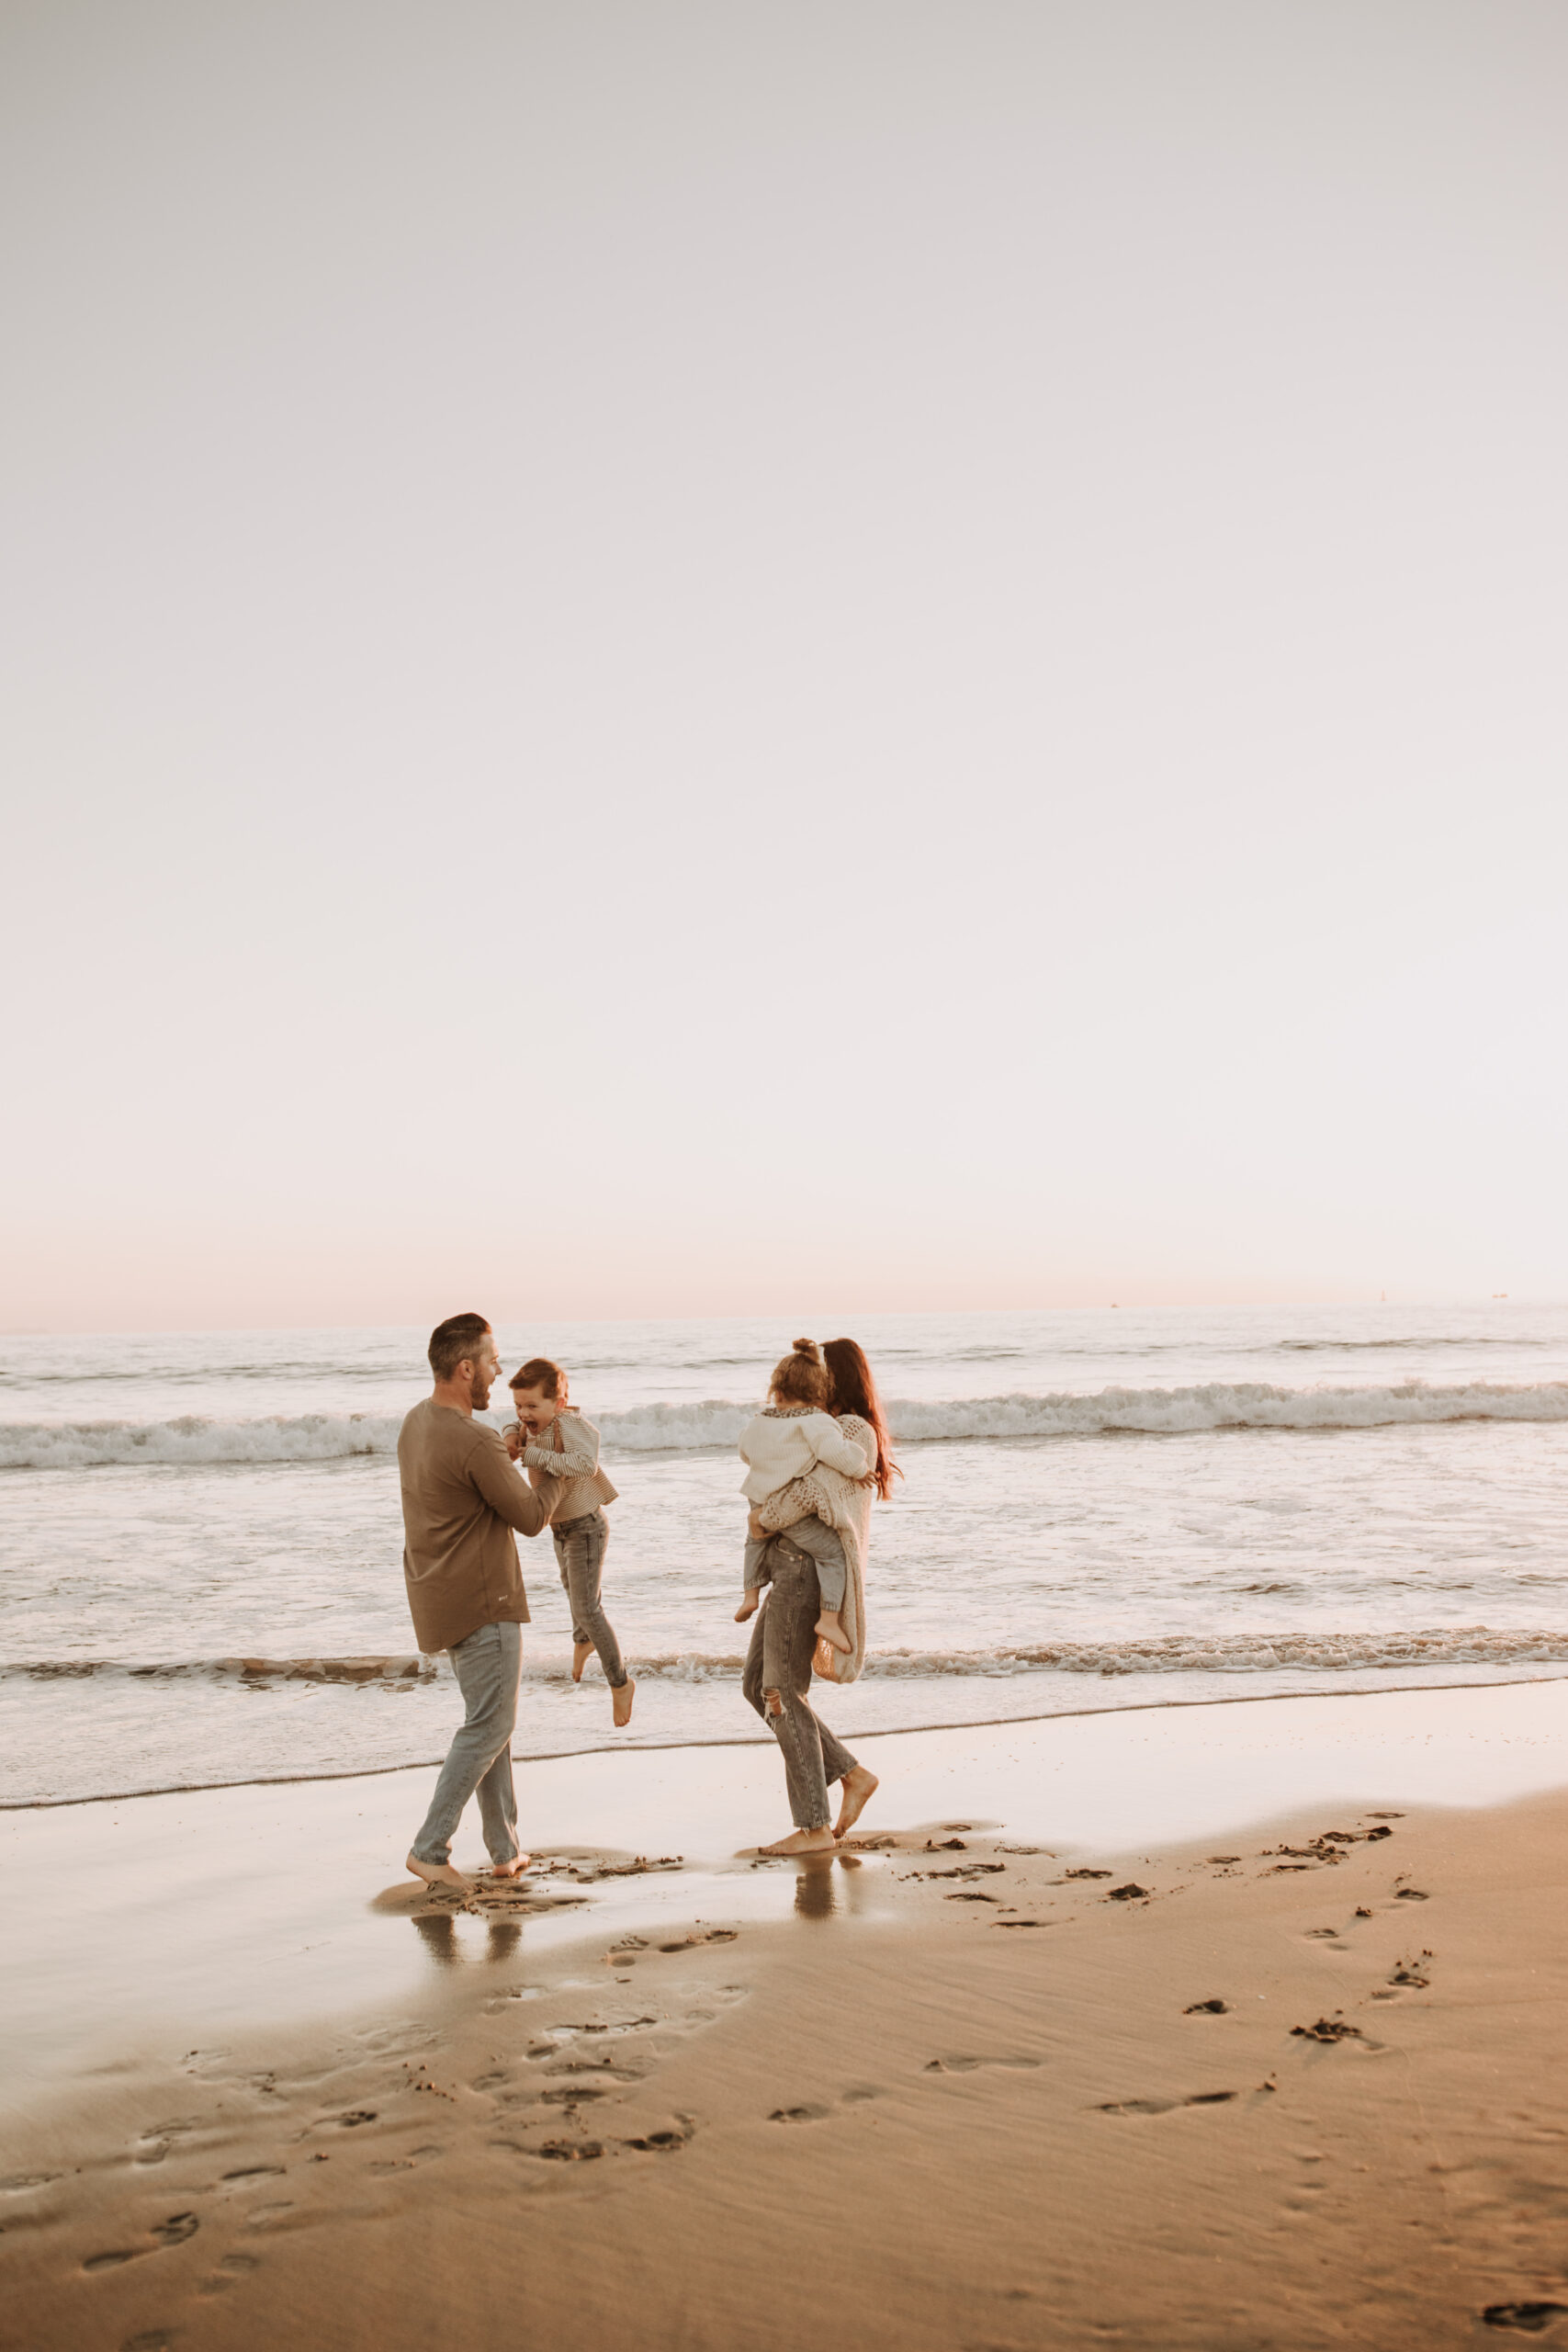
(783, 1640)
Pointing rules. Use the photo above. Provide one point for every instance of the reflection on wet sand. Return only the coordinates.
(819, 1889)
(437, 1930)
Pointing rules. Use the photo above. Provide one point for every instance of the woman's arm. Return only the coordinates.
(800, 1500)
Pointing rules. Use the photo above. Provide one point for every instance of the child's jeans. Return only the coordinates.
(820, 1543)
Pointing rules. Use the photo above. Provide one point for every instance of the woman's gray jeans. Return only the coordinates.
(581, 1545)
(782, 1641)
(488, 1664)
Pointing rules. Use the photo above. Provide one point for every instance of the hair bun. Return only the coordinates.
(809, 1348)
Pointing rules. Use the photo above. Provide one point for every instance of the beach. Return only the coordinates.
(1214, 2026)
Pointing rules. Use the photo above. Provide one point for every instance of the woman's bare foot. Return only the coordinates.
(581, 1654)
(829, 1628)
(511, 1869)
(748, 1608)
(803, 1841)
(621, 1701)
(438, 1874)
(856, 1790)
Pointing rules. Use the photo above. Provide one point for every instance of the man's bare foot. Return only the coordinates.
(511, 1869)
(803, 1841)
(829, 1628)
(438, 1874)
(747, 1609)
(581, 1654)
(621, 1701)
(856, 1790)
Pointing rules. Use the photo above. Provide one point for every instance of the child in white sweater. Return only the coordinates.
(790, 1438)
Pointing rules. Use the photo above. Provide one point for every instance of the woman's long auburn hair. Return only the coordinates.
(854, 1390)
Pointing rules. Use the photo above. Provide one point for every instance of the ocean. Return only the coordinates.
(200, 1545)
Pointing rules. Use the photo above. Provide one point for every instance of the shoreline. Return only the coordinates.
(1501, 1680)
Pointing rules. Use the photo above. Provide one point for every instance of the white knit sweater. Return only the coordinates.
(786, 1441)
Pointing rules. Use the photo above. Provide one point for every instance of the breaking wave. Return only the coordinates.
(1115, 1654)
(684, 1427)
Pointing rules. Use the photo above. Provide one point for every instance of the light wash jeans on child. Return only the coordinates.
(579, 1554)
(488, 1664)
(820, 1542)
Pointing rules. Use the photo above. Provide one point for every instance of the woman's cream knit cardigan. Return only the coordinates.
(845, 1504)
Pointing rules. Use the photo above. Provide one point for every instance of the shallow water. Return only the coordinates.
(1179, 1504)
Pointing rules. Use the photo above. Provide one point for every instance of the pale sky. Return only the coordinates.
(694, 658)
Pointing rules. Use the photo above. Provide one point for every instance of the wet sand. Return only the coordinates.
(1134, 2029)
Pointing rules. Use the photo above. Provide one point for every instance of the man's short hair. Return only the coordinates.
(450, 1341)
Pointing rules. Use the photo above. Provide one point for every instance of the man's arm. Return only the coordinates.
(510, 1496)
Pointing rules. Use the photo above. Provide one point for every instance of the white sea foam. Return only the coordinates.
(684, 1427)
(1129, 1654)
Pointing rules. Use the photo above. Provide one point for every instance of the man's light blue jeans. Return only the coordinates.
(488, 1664)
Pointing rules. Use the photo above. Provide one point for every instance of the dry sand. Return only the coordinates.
(940, 2092)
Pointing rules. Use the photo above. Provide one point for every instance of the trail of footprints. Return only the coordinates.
(554, 2103)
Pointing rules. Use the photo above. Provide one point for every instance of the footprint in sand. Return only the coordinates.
(708, 1936)
(1408, 1975)
(798, 2114)
(968, 2065)
(405, 2163)
(266, 2217)
(231, 2269)
(1163, 2106)
(665, 2142)
(1529, 2319)
(1215, 2008)
(1332, 2030)
(173, 2231)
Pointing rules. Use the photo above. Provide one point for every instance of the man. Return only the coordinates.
(462, 1499)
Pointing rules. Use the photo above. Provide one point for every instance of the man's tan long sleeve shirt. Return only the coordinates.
(462, 1499)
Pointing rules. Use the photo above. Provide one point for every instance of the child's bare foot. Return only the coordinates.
(802, 1841)
(438, 1874)
(856, 1790)
(512, 1869)
(581, 1654)
(830, 1629)
(748, 1608)
(621, 1700)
